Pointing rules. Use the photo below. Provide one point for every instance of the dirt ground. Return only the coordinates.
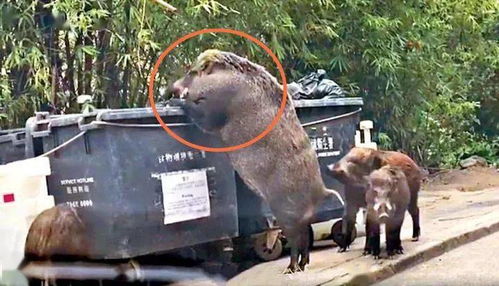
(464, 180)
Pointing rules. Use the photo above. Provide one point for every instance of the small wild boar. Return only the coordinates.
(235, 99)
(353, 171)
(387, 200)
(57, 232)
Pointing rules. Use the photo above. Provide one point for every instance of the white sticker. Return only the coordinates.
(185, 196)
(328, 154)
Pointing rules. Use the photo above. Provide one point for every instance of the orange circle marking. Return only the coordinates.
(275, 120)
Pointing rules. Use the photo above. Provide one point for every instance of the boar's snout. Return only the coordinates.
(383, 216)
(384, 211)
(336, 171)
(330, 167)
(178, 89)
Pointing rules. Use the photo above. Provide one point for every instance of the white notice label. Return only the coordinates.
(185, 196)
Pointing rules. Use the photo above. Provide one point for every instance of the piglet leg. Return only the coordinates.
(373, 236)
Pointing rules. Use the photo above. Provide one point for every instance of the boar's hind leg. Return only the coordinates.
(294, 241)
(347, 226)
(414, 212)
(299, 242)
(393, 242)
(304, 247)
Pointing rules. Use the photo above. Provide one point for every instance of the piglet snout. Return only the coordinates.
(383, 215)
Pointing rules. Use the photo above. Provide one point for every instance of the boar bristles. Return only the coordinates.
(236, 63)
(206, 57)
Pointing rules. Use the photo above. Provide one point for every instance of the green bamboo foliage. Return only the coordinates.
(428, 70)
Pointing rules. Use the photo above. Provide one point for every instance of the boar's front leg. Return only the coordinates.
(393, 242)
(392, 239)
(194, 111)
(176, 102)
(373, 236)
(367, 246)
(348, 223)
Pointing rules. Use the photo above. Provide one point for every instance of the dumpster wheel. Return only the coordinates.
(336, 234)
(264, 253)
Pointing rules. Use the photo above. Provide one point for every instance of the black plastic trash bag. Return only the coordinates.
(315, 86)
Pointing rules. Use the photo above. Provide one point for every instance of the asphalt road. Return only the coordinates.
(476, 263)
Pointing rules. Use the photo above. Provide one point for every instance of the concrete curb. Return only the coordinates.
(427, 252)
(449, 218)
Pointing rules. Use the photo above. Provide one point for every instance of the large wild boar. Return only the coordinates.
(353, 171)
(236, 100)
(387, 199)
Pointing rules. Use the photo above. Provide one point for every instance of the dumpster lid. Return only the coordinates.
(90, 120)
(60, 120)
(111, 114)
(16, 136)
(133, 113)
(96, 119)
(323, 102)
(10, 131)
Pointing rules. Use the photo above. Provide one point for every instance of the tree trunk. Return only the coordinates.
(107, 64)
(111, 81)
(126, 71)
(70, 60)
(88, 66)
(79, 71)
(46, 22)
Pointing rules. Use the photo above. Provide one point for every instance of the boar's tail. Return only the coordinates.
(330, 192)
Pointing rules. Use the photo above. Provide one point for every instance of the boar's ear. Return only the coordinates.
(369, 183)
(207, 69)
(394, 181)
(377, 161)
(395, 176)
(392, 171)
